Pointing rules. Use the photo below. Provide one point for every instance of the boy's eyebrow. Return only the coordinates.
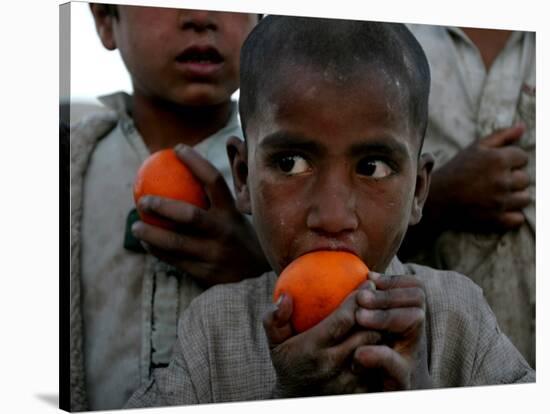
(287, 140)
(386, 145)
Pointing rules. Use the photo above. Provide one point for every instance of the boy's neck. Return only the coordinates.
(490, 42)
(164, 125)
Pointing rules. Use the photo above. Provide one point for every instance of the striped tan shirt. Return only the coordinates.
(222, 353)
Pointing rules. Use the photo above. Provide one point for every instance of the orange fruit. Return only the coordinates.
(318, 283)
(163, 174)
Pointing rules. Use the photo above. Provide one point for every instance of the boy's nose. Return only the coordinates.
(332, 208)
(198, 20)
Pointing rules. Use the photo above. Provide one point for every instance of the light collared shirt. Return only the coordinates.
(130, 302)
(468, 102)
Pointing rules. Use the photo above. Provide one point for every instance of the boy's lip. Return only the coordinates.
(331, 247)
(200, 61)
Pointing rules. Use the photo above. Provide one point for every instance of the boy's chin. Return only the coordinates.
(203, 96)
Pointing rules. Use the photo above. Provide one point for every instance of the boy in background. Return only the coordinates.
(184, 67)
(479, 219)
(334, 114)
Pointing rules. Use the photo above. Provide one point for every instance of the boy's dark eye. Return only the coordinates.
(374, 168)
(293, 164)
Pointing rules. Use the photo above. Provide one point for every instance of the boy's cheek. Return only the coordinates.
(395, 237)
(277, 225)
(394, 244)
(384, 228)
(276, 239)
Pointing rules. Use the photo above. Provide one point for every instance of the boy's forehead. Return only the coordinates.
(293, 78)
(374, 93)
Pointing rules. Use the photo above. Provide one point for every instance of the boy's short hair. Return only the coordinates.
(338, 47)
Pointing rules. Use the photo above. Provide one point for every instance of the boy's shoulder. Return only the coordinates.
(91, 127)
(240, 302)
(454, 303)
(466, 345)
(224, 323)
(445, 288)
(98, 120)
(85, 135)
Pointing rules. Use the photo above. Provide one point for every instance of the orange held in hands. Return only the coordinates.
(318, 283)
(164, 174)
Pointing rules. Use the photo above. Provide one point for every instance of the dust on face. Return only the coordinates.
(332, 166)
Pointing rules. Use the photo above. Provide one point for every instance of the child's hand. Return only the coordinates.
(319, 360)
(484, 186)
(396, 309)
(217, 245)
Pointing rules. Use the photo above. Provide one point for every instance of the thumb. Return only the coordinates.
(213, 181)
(276, 321)
(503, 137)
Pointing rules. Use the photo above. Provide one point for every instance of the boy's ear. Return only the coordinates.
(104, 25)
(423, 177)
(238, 159)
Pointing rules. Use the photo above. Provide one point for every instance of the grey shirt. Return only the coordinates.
(222, 353)
(468, 102)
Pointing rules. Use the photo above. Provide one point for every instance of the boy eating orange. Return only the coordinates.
(334, 114)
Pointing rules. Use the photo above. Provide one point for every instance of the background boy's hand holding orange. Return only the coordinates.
(214, 245)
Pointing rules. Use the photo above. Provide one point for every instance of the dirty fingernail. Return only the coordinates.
(149, 203)
(370, 285)
(279, 301)
(136, 228)
(181, 148)
(145, 202)
(374, 275)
